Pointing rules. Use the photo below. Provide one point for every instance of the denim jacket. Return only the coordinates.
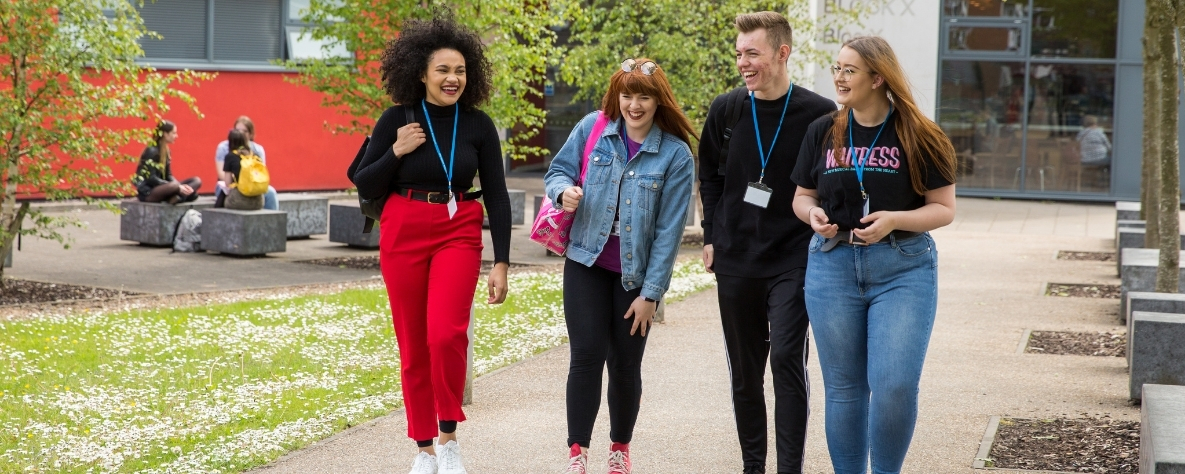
(655, 189)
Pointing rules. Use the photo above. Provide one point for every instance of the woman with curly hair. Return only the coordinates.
(154, 179)
(430, 232)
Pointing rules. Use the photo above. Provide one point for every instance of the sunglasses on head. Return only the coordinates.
(647, 68)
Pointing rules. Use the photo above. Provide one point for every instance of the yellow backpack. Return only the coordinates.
(253, 177)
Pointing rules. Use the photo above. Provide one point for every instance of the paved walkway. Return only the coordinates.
(995, 260)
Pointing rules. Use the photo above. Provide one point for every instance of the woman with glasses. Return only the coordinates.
(873, 179)
(430, 239)
(630, 210)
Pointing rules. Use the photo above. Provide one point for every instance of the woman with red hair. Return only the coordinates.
(630, 207)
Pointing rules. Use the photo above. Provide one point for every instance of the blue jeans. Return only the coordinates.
(269, 199)
(871, 310)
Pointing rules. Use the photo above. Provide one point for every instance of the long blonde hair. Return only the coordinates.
(924, 141)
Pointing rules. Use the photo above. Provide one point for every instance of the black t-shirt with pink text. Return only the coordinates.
(886, 172)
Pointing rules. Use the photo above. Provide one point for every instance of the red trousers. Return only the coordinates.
(430, 265)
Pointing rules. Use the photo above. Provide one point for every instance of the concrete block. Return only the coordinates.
(8, 258)
(1147, 301)
(1158, 356)
(518, 203)
(1138, 273)
(1129, 223)
(1127, 211)
(691, 215)
(1132, 238)
(345, 227)
(153, 223)
(244, 233)
(1162, 430)
(307, 214)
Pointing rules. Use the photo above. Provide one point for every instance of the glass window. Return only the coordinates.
(1069, 135)
(985, 8)
(303, 46)
(980, 108)
(247, 31)
(1075, 28)
(984, 38)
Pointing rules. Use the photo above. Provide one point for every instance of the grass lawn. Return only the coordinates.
(228, 387)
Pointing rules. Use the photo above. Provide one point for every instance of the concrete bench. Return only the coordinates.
(1130, 223)
(1158, 355)
(1147, 301)
(244, 233)
(345, 226)
(153, 223)
(518, 204)
(307, 214)
(1138, 273)
(1162, 430)
(1127, 211)
(1131, 238)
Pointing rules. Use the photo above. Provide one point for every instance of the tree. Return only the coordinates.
(1161, 63)
(68, 67)
(692, 41)
(519, 43)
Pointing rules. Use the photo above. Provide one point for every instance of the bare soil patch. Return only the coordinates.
(371, 262)
(1089, 256)
(1094, 445)
(1077, 343)
(1083, 290)
(20, 292)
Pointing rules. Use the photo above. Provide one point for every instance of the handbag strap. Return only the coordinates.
(598, 128)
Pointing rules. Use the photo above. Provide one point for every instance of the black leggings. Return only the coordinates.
(595, 304)
(170, 190)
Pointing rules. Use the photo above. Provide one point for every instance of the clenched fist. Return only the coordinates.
(410, 137)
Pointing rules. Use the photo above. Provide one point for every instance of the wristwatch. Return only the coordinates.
(647, 298)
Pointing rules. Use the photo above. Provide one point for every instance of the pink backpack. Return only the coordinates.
(552, 226)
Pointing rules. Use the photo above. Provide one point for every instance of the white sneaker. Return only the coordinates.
(449, 457)
(424, 464)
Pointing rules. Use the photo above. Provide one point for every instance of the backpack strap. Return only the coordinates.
(734, 104)
(591, 143)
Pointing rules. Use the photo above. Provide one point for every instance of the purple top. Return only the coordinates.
(610, 257)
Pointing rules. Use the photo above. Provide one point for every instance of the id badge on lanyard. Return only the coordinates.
(757, 193)
(863, 158)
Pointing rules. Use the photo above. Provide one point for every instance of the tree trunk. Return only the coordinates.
(1164, 69)
(1151, 165)
(11, 227)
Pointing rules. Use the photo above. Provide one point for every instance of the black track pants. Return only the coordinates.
(767, 317)
(595, 304)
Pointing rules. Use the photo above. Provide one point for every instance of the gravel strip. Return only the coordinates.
(1083, 290)
(1077, 343)
(1089, 256)
(1095, 445)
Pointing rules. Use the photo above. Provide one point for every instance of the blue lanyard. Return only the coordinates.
(452, 153)
(761, 150)
(859, 165)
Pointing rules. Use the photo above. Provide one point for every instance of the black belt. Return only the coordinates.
(436, 197)
(850, 238)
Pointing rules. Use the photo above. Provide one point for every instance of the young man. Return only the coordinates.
(753, 242)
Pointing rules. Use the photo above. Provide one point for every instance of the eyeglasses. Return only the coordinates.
(847, 72)
(646, 68)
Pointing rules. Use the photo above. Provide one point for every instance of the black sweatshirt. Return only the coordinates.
(747, 240)
(478, 150)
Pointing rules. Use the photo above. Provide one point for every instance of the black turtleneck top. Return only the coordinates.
(478, 151)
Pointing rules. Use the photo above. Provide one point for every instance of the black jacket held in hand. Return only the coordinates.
(478, 150)
(748, 240)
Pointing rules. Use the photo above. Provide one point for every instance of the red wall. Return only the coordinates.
(302, 154)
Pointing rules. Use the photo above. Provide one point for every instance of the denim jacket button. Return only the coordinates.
(629, 255)
(627, 228)
(627, 201)
(655, 186)
(631, 173)
(596, 158)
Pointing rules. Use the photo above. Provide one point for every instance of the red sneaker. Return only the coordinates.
(577, 461)
(619, 459)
